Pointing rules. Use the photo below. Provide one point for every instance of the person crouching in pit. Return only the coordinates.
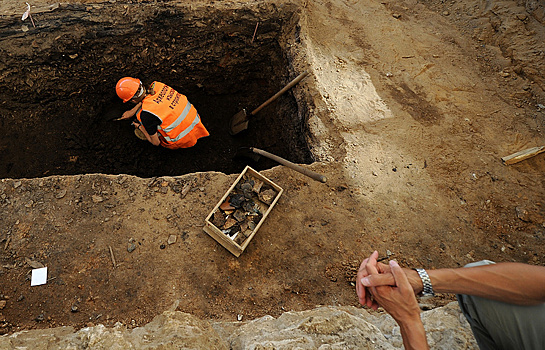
(164, 116)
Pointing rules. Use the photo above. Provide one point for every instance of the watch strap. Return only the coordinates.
(427, 289)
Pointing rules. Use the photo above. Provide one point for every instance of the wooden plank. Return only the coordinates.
(522, 155)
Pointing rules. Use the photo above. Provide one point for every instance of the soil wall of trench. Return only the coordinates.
(57, 86)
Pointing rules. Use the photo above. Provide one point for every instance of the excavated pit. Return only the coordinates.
(58, 98)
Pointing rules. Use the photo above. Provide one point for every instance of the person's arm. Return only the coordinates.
(514, 283)
(400, 302)
(131, 112)
(153, 139)
(149, 127)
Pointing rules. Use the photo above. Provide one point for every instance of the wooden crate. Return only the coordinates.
(225, 238)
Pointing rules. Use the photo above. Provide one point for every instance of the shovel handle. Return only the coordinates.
(286, 88)
(298, 168)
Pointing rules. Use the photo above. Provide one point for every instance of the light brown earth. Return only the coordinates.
(415, 103)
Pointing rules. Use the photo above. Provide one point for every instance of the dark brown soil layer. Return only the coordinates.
(58, 88)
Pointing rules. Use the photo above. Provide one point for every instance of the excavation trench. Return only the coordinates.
(58, 98)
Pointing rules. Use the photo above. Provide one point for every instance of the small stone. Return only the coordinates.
(396, 15)
(522, 214)
(39, 318)
(17, 184)
(34, 264)
(2, 304)
(97, 199)
(171, 239)
(131, 247)
(186, 189)
(74, 308)
(21, 297)
(239, 317)
(446, 13)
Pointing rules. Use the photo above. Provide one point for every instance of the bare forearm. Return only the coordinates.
(513, 283)
(413, 334)
(133, 110)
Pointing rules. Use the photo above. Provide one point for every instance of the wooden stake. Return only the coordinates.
(255, 31)
(112, 255)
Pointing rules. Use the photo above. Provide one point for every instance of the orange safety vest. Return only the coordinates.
(181, 125)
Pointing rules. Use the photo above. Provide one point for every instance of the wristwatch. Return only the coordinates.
(427, 290)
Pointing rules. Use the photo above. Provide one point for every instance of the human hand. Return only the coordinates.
(364, 296)
(398, 300)
(126, 115)
(385, 278)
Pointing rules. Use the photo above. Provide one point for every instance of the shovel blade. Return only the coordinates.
(238, 123)
(247, 152)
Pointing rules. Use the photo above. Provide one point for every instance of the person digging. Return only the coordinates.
(164, 116)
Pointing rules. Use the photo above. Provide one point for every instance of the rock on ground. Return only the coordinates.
(324, 328)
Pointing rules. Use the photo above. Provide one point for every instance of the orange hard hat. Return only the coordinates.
(127, 87)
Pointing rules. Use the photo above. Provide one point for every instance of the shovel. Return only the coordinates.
(256, 153)
(239, 122)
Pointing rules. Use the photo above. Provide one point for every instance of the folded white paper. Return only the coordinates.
(39, 276)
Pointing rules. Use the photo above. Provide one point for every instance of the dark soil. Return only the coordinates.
(58, 91)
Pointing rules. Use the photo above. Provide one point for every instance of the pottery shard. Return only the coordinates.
(244, 226)
(257, 186)
(239, 215)
(240, 239)
(229, 223)
(218, 219)
(267, 196)
(226, 205)
(246, 186)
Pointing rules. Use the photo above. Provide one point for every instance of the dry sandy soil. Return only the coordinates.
(413, 104)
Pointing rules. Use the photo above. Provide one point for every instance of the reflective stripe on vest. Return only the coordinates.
(178, 121)
(163, 106)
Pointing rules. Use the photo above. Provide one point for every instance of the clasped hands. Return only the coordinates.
(390, 287)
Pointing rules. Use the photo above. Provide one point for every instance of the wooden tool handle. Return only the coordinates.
(298, 168)
(286, 88)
